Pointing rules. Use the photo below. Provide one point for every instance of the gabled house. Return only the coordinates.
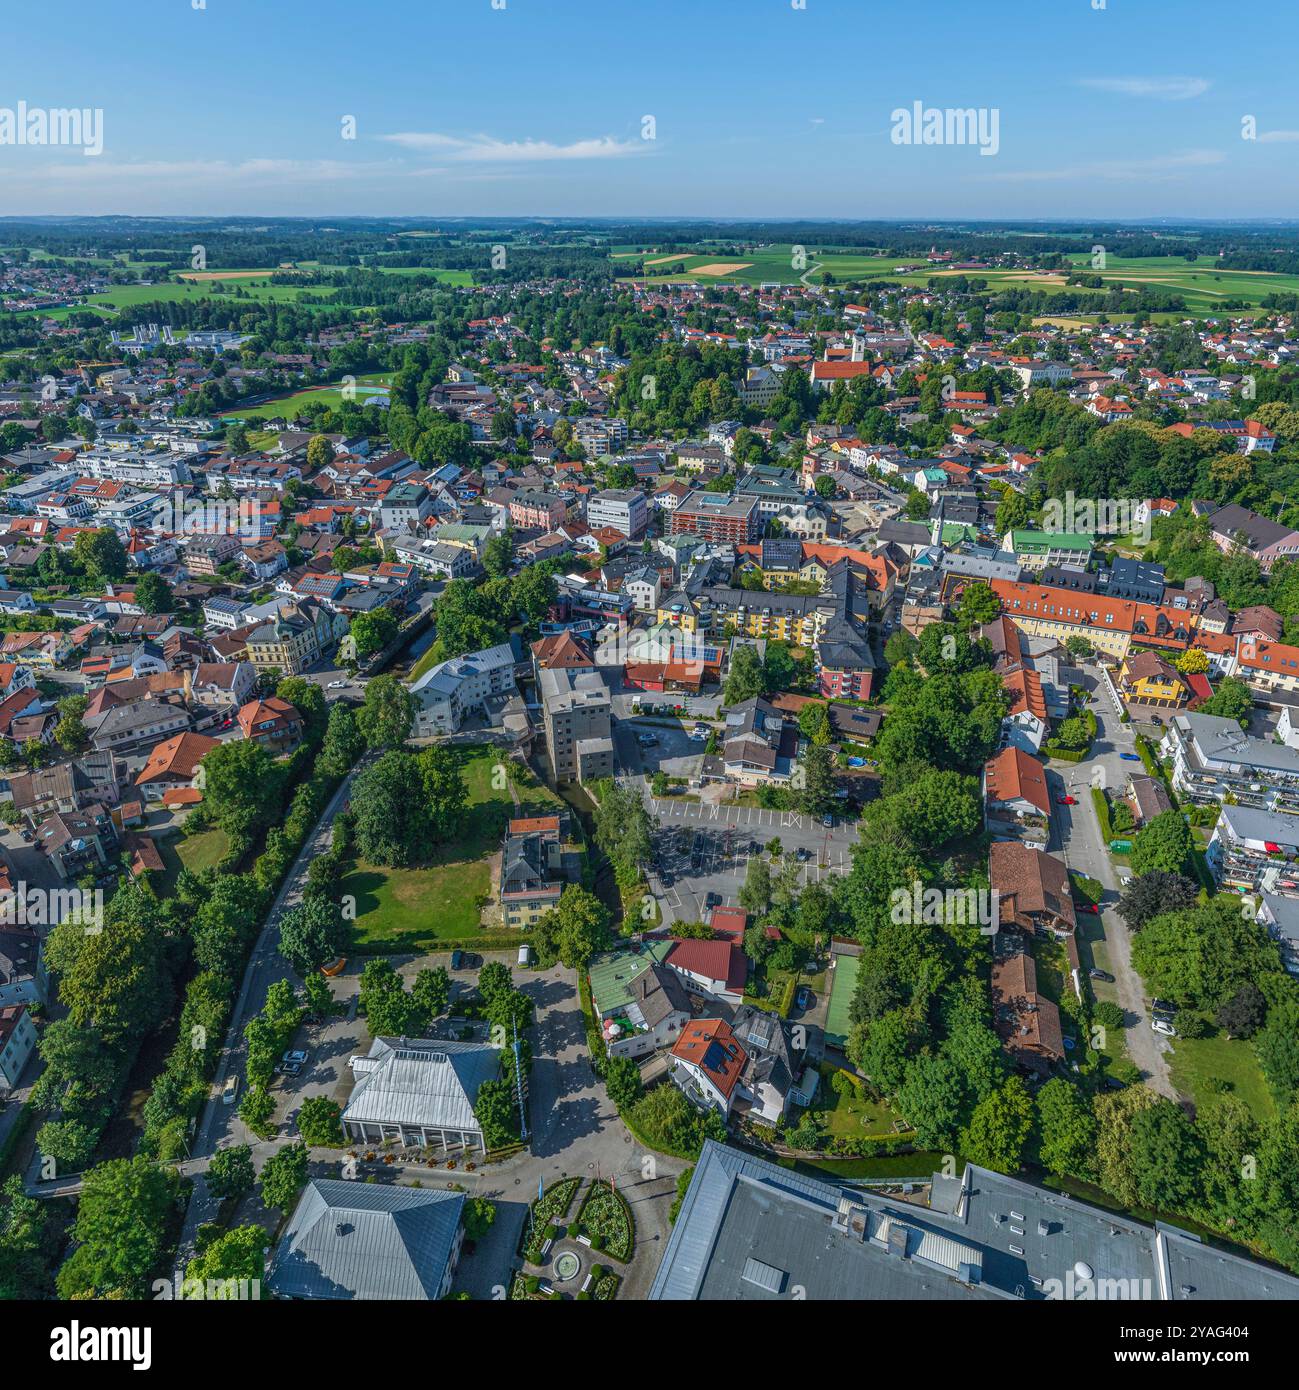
(707, 1063)
(1016, 800)
(1032, 890)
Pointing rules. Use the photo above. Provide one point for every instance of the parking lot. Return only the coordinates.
(704, 849)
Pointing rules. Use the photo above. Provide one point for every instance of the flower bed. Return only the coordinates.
(549, 1211)
(606, 1218)
(606, 1287)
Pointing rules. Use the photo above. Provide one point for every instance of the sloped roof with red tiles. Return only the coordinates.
(711, 1046)
(1013, 775)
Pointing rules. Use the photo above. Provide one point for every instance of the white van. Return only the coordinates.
(525, 955)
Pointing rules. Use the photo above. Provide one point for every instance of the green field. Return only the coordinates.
(441, 900)
(1202, 287)
(287, 405)
(1201, 1066)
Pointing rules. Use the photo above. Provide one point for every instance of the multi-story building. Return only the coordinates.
(1036, 550)
(1254, 851)
(642, 1005)
(577, 711)
(206, 554)
(295, 638)
(534, 869)
(537, 510)
(717, 517)
(847, 662)
(1110, 625)
(17, 1044)
(445, 693)
(405, 507)
(624, 509)
(797, 618)
(1213, 759)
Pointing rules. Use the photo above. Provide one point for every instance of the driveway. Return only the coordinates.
(1084, 850)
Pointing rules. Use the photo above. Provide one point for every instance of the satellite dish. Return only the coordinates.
(1083, 1270)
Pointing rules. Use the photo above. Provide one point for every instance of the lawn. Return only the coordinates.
(441, 900)
(853, 1115)
(288, 405)
(192, 852)
(1202, 1067)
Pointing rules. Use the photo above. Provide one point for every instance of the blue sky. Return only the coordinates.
(759, 108)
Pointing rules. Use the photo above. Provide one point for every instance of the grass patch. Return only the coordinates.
(441, 900)
(852, 1114)
(1207, 1067)
(205, 850)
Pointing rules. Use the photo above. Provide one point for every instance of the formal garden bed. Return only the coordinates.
(606, 1220)
(547, 1214)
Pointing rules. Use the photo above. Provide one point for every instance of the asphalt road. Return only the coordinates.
(218, 1124)
(1084, 850)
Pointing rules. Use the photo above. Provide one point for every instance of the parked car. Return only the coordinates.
(805, 998)
(290, 1068)
(1162, 1006)
(1066, 801)
(828, 822)
(1162, 1025)
(1130, 757)
(1088, 907)
(456, 958)
(803, 856)
(336, 685)
(296, 1056)
(1101, 975)
(712, 900)
(230, 1090)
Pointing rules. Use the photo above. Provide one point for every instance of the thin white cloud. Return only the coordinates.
(1279, 137)
(487, 149)
(1161, 88)
(1120, 170)
(196, 170)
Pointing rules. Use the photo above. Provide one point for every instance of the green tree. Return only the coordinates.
(746, 677)
(284, 1174)
(495, 1113)
(242, 788)
(1163, 845)
(123, 1220)
(231, 1173)
(1066, 1129)
(312, 933)
(931, 1099)
(153, 594)
(814, 722)
(622, 1081)
(320, 1123)
(371, 632)
(386, 716)
(576, 929)
(101, 554)
(70, 732)
(431, 991)
(817, 796)
(999, 1127)
(389, 1011)
(235, 1257)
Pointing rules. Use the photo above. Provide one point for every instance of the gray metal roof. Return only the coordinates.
(354, 1240)
(987, 1235)
(415, 1082)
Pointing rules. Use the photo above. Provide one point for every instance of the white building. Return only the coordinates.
(448, 691)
